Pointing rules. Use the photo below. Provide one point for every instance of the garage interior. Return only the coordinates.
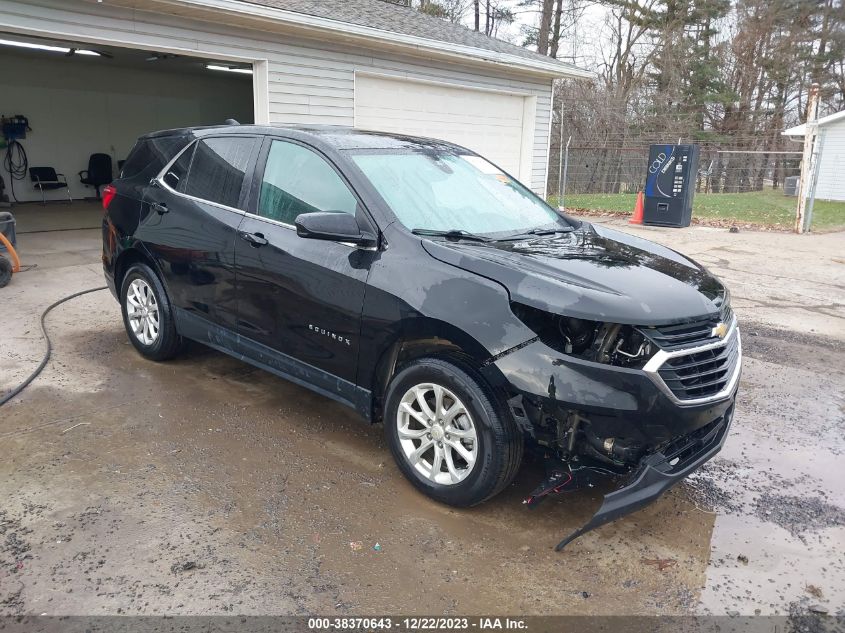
(81, 100)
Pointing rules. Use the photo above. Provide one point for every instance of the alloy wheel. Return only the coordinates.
(142, 311)
(437, 434)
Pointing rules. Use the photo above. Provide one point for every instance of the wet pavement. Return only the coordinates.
(203, 485)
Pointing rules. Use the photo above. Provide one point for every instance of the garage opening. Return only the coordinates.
(83, 106)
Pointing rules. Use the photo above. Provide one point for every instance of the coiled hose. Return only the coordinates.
(48, 344)
(16, 163)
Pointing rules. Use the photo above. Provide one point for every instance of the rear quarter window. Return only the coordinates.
(218, 169)
(150, 155)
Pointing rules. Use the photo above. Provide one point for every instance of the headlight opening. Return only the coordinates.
(607, 343)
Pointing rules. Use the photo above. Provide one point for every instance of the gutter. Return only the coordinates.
(801, 130)
(367, 35)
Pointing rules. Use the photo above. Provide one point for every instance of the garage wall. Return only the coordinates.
(309, 85)
(831, 183)
(309, 81)
(78, 106)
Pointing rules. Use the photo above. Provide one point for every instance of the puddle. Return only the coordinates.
(779, 538)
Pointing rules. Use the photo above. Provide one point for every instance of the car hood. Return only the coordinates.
(593, 273)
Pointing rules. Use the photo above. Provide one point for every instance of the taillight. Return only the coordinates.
(109, 193)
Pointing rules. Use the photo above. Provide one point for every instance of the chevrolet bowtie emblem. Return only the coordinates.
(720, 330)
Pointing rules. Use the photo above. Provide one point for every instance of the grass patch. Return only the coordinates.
(769, 207)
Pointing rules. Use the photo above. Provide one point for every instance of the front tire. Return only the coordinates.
(148, 315)
(448, 433)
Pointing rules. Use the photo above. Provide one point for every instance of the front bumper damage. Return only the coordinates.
(656, 473)
(591, 421)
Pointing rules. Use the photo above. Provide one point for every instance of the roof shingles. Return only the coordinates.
(387, 16)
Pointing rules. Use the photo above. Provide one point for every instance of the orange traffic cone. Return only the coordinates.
(637, 218)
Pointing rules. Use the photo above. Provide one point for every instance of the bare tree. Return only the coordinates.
(547, 8)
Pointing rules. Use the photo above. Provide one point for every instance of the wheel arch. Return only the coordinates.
(133, 255)
(424, 338)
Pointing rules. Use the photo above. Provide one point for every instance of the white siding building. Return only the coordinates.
(830, 137)
(362, 63)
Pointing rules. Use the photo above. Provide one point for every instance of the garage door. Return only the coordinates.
(489, 123)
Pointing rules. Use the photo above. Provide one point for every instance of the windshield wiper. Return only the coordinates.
(540, 231)
(455, 234)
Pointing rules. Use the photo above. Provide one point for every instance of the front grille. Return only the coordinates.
(698, 332)
(701, 374)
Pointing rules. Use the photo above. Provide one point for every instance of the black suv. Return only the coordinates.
(419, 284)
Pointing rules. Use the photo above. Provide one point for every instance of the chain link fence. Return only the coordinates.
(608, 170)
(599, 159)
(739, 186)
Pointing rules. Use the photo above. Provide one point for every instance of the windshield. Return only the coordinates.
(448, 192)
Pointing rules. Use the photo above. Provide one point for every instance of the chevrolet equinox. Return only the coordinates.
(425, 288)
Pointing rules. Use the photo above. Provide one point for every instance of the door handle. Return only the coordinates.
(159, 207)
(254, 239)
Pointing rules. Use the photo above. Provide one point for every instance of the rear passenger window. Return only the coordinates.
(298, 180)
(218, 168)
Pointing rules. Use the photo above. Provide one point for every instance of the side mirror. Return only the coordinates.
(334, 226)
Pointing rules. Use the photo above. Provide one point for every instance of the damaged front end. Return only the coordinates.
(645, 406)
(651, 477)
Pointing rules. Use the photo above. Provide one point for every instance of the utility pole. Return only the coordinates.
(807, 163)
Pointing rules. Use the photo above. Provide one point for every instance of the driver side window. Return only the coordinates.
(298, 180)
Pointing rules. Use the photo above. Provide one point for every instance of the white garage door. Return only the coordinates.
(489, 123)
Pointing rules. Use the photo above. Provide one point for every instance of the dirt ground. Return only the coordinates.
(205, 486)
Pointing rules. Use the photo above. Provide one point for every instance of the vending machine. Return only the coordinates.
(670, 185)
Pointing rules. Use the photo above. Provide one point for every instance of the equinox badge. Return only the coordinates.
(329, 333)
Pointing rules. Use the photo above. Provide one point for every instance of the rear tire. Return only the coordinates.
(148, 315)
(463, 451)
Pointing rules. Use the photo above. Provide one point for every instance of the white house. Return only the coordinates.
(91, 76)
(830, 140)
